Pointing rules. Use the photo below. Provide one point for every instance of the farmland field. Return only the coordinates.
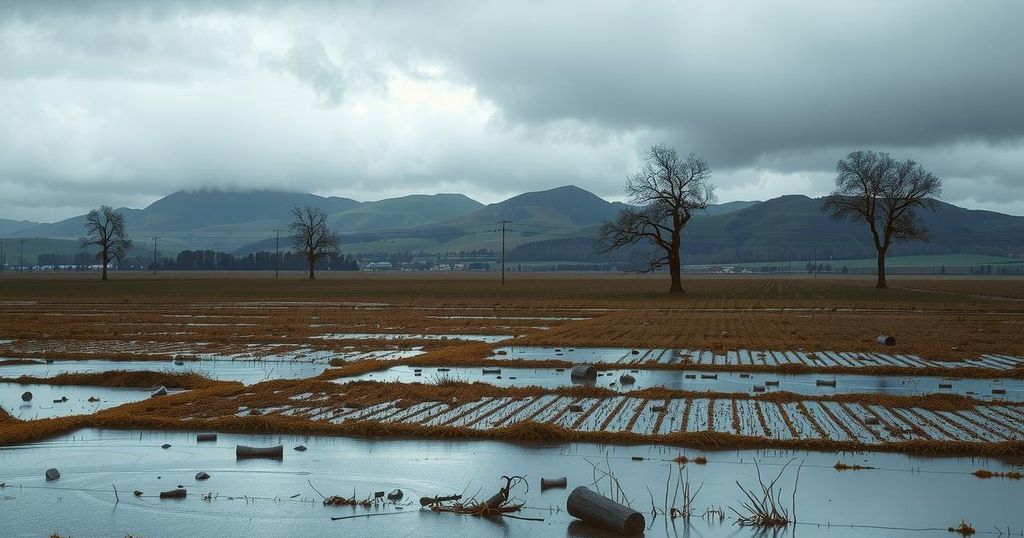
(738, 362)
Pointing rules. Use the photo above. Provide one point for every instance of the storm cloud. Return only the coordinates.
(123, 102)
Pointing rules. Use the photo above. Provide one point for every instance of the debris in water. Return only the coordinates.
(201, 475)
(596, 509)
(52, 474)
(179, 493)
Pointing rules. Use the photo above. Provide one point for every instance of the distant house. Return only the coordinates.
(378, 266)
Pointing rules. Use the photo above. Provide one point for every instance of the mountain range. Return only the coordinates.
(559, 224)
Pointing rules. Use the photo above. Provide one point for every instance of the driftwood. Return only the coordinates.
(395, 495)
(427, 501)
(52, 474)
(492, 370)
(600, 511)
(271, 452)
(825, 382)
(583, 372)
(548, 483)
(886, 340)
(206, 437)
(179, 493)
(497, 505)
(162, 391)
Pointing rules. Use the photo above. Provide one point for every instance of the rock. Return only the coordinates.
(627, 379)
(201, 475)
(93, 399)
(137, 493)
(52, 474)
(162, 391)
(61, 400)
(179, 363)
(300, 448)
(26, 396)
(165, 445)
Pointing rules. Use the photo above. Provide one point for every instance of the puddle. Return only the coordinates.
(42, 404)
(273, 498)
(818, 359)
(489, 338)
(726, 382)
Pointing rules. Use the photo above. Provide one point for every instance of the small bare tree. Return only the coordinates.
(104, 228)
(884, 193)
(311, 236)
(664, 194)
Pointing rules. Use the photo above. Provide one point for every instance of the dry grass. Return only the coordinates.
(985, 474)
(840, 466)
(122, 378)
(963, 529)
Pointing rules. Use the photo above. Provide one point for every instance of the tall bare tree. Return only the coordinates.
(311, 236)
(664, 194)
(104, 228)
(876, 189)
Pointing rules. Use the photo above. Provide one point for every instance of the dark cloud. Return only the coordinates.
(125, 101)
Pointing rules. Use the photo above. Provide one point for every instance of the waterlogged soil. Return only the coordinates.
(276, 498)
(247, 372)
(44, 404)
(696, 381)
(488, 338)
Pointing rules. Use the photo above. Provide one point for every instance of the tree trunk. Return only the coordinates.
(105, 259)
(312, 275)
(881, 270)
(674, 271)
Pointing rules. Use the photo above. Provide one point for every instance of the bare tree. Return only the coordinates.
(104, 228)
(664, 194)
(311, 236)
(884, 193)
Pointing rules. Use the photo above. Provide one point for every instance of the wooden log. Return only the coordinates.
(206, 437)
(886, 340)
(771, 383)
(600, 511)
(709, 376)
(178, 493)
(492, 370)
(825, 382)
(427, 501)
(548, 483)
(271, 452)
(583, 371)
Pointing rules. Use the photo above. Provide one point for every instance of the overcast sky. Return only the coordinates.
(123, 102)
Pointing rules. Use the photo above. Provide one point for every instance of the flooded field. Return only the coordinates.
(467, 405)
(727, 382)
(489, 338)
(248, 372)
(49, 401)
(744, 357)
(272, 498)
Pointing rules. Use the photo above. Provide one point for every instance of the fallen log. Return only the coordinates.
(206, 437)
(825, 382)
(427, 501)
(179, 493)
(600, 511)
(271, 452)
(548, 483)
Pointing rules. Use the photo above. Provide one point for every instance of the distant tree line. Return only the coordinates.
(205, 260)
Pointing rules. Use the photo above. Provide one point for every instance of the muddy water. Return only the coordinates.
(713, 382)
(43, 405)
(489, 338)
(274, 498)
(247, 372)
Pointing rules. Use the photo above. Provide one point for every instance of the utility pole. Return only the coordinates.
(154, 255)
(3, 261)
(277, 253)
(815, 262)
(21, 257)
(503, 251)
